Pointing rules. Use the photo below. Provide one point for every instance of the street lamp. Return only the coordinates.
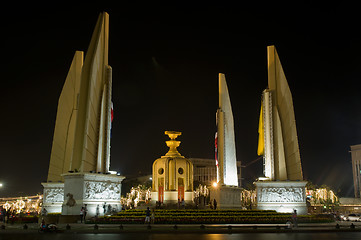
(1, 184)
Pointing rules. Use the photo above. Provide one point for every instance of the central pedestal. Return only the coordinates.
(282, 196)
(226, 196)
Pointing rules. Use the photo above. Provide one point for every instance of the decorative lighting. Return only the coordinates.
(215, 184)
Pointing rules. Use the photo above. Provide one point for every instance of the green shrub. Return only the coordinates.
(202, 216)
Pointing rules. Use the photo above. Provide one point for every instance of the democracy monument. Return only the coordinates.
(172, 175)
(79, 171)
(226, 193)
(282, 187)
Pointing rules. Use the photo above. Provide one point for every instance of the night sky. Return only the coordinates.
(165, 77)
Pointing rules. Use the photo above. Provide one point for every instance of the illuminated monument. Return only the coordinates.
(80, 158)
(172, 175)
(356, 169)
(282, 188)
(226, 193)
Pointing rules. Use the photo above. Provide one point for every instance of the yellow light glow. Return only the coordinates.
(215, 184)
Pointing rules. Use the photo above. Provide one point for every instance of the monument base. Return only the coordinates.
(171, 197)
(53, 196)
(99, 193)
(227, 197)
(282, 196)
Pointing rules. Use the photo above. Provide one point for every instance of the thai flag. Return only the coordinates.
(111, 113)
(216, 148)
(111, 119)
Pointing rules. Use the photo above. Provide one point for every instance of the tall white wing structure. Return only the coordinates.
(282, 155)
(82, 133)
(227, 163)
(64, 132)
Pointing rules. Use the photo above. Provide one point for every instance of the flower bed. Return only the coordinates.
(210, 216)
(24, 219)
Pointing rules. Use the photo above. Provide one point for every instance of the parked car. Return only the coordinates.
(353, 217)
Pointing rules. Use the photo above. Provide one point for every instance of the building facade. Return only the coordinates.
(205, 171)
(356, 169)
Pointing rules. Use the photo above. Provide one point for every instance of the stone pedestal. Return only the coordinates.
(100, 193)
(53, 196)
(227, 197)
(171, 197)
(282, 196)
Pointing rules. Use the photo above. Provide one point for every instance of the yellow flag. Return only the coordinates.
(260, 150)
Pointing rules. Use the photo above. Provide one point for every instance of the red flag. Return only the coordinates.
(216, 148)
(111, 113)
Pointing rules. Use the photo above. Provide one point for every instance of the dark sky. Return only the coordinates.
(165, 77)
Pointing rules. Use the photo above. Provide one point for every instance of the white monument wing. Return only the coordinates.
(63, 140)
(285, 132)
(226, 139)
(90, 98)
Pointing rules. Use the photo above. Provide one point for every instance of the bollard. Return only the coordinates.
(149, 227)
(68, 227)
(25, 227)
(337, 226)
(96, 227)
(229, 227)
(254, 227)
(202, 226)
(352, 226)
(2, 226)
(175, 227)
(121, 227)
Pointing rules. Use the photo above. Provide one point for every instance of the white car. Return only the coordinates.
(353, 217)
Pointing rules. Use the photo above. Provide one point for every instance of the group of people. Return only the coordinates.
(83, 213)
(213, 204)
(6, 215)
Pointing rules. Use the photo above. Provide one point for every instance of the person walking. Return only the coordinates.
(3, 213)
(97, 211)
(294, 218)
(105, 208)
(81, 214)
(153, 216)
(44, 212)
(147, 216)
(215, 204)
(85, 211)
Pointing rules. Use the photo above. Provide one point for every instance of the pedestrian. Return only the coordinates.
(44, 212)
(105, 207)
(288, 224)
(81, 214)
(294, 218)
(153, 216)
(109, 209)
(3, 211)
(85, 211)
(147, 215)
(183, 204)
(214, 204)
(97, 211)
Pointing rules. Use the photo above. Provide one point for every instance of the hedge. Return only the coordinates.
(210, 216)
